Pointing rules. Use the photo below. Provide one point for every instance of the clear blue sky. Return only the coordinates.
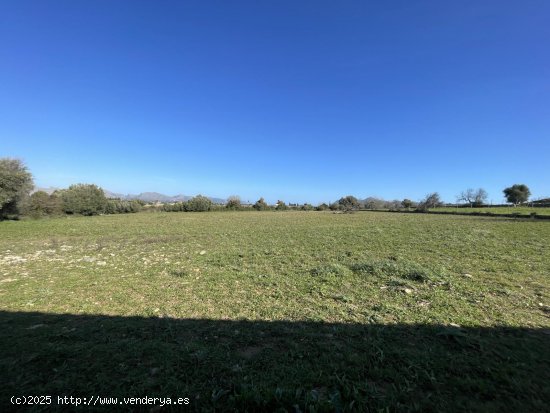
(293, 100)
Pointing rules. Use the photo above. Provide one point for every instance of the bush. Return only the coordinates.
(117, 206)
(322, 207)
(407, 203)
(233, 203)
(348, 203)
(40, 204)
(84, 199)
(394, 205)
(175, 207)
(260, 205)
(374, 203)
(199, 204)
(281, 206)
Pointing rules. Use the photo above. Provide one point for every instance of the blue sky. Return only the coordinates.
(302, 101)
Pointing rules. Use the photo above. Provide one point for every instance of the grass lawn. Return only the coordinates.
(278, 311)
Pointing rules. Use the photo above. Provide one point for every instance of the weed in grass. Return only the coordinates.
(181, 273)
(330, 270)
(395, 268)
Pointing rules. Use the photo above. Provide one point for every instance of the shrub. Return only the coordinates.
(233, 203)
(395, 268)
(260, 205)
(281, 206)
(84, 199)
(322, 207)
(407, 203)
(374, 203)
(175, 207)
(348, 203)
(41, 204)
(199, 204)
(117, 206)
(394, 205)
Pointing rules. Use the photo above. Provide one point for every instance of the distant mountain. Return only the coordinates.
(144, 196)
(110, 194)
(218, 200)
(155, 196)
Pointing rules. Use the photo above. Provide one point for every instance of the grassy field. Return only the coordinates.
(498, 210)
(288, 311)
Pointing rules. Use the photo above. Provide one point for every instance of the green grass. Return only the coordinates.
(291, 311)
(520, 210)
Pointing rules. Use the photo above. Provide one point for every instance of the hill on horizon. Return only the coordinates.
(143, 196)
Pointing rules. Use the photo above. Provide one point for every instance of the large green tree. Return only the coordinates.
(199, 204)
(517, 194)
(15, 185)
(84, 199)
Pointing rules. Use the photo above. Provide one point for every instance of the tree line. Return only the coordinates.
(16, 199)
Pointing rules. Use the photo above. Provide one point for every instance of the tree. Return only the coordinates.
(35, 205)
(84, 199)
(374, 203)
(260, 205)
(348, 203)
(517, 194)
(40, 204)
(199, 204)
(335, 206)
(394, 205)
(430, 201)
(480, 197)
(473, 197)
(407, 203)
(15, 185)
(233, 202)
(281, 206)
(322, 207)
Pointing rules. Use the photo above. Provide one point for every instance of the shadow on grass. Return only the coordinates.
(274, 366)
